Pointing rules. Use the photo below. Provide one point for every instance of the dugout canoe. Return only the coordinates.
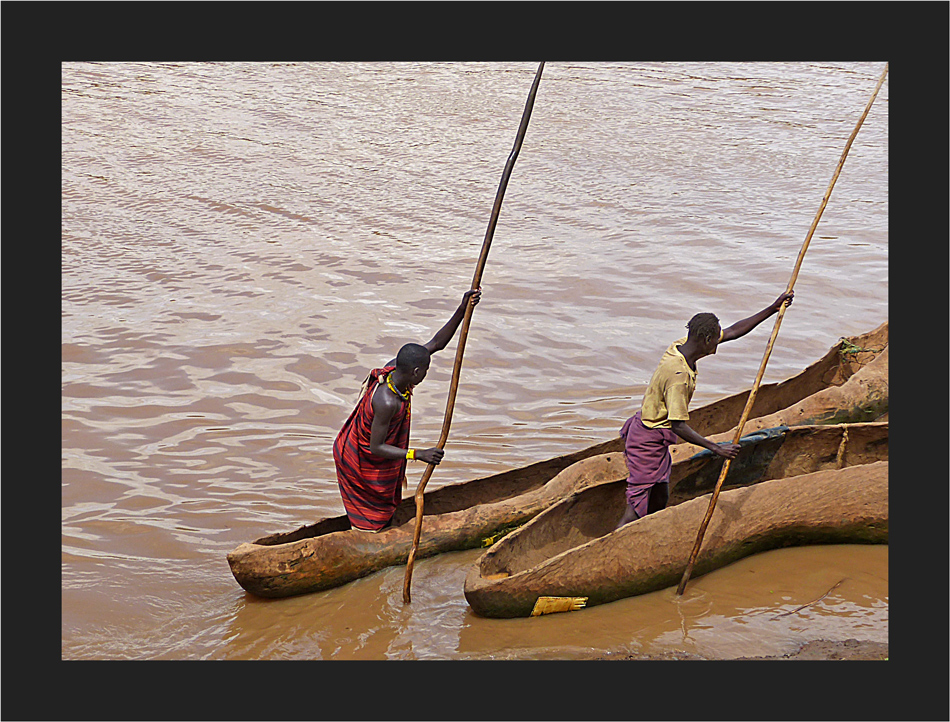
(797, 486)
(328, 553)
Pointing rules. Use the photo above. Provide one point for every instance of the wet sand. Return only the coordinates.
(819, 649)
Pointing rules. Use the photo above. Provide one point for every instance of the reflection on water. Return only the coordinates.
(242, 241)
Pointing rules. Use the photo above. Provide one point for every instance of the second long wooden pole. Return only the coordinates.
(768, 349)
(463, 333)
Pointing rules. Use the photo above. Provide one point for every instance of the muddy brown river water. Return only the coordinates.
(242, 241)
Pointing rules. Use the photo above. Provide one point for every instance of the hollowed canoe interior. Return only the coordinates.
(594, 512)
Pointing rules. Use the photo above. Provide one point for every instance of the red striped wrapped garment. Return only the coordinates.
(370, 485)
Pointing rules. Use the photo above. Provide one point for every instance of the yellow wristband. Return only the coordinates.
(411, 454)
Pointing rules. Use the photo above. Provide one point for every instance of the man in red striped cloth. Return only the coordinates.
(372, 449)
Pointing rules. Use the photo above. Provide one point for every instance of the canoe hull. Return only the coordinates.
(837, 506)
(312, 564)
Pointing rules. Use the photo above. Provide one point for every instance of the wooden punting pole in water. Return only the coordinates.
(466, 321)
(768, 348)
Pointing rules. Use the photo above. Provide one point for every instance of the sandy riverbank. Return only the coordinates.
(850, 649)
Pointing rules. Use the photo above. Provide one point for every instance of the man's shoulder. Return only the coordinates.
(672, 365)
(384, 399)
(672, 352)
(672, 355)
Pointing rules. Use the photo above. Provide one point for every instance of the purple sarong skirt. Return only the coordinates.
(648, 460)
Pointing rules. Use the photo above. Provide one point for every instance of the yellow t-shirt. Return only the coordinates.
(670, 390)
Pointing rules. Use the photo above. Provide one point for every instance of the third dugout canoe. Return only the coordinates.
(792, 486)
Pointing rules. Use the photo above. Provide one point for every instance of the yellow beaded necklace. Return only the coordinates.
(389, 383)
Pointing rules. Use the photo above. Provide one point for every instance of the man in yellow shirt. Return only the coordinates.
(662, 418)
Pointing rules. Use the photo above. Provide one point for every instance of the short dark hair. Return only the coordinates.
(411, 356)
(703, 324)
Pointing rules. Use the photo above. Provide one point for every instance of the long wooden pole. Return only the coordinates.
(466, 322)
(768, 348)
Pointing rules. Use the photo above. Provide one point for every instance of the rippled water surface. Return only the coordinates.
(242, 241)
